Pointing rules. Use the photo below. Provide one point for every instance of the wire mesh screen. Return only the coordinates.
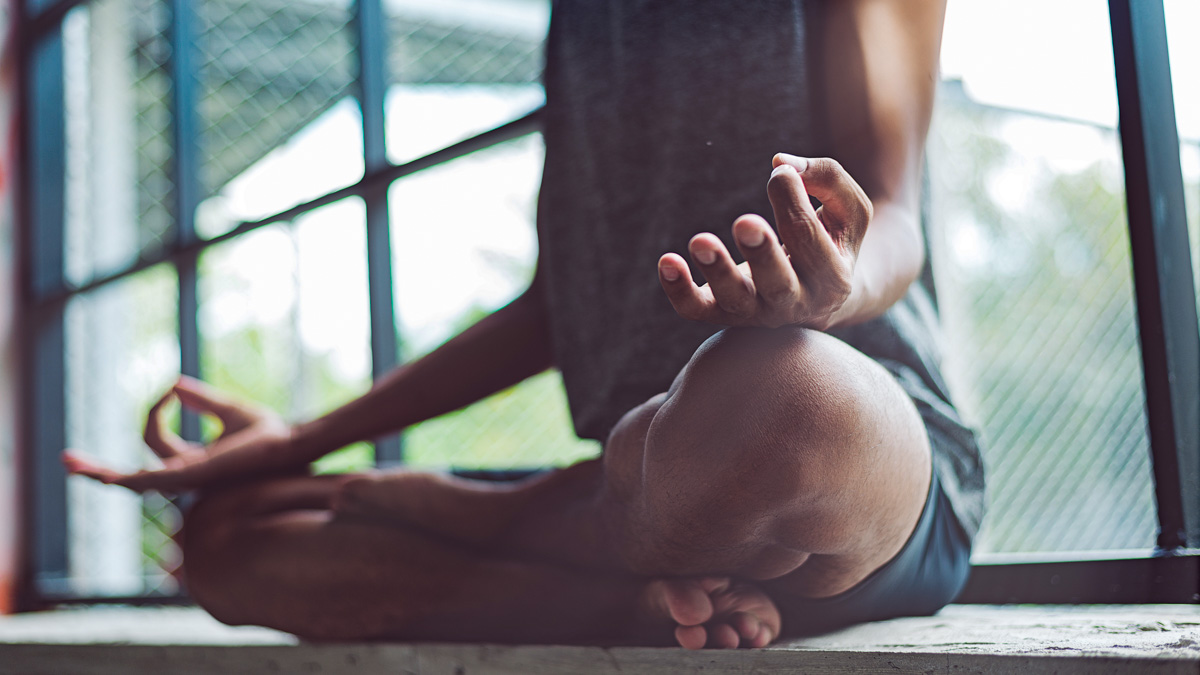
(273, 75)
(284, 318)
(493, 260)
(458, 68)
(121, 354)
(116, 105)
(1031, 250)
(121, 345)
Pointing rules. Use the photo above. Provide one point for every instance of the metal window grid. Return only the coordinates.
(1170, 343)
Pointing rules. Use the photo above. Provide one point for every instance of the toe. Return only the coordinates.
(687, 602)
(722, 636)
(691, 637)
(747, 626)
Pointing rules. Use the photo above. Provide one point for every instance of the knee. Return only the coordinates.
(788, 403)
(765, 424)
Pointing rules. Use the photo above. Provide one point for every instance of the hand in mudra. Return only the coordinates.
(253, 442)
(803, 276)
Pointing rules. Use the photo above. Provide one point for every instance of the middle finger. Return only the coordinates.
(774, 279)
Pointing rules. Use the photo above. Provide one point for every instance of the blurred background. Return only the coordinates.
(1026, 226)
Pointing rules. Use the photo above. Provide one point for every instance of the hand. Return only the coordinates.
(805, 281)
(253, 442)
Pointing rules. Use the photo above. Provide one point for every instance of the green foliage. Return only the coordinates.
(525, 426)
(1046, 335)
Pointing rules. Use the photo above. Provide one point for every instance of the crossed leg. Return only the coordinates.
(782, 457)
(274, 554)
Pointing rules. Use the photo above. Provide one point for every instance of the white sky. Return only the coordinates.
(452, 224)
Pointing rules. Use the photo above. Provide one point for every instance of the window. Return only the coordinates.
(254, 191)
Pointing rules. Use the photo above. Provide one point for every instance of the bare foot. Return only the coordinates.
(713, 612)
(473, 513)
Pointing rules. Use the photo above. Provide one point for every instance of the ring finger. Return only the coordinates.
(732, 290)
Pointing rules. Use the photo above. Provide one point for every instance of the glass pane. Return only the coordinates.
(1030, 246)
(122, 354)
(278, 125)
(1183, 16)
(118, 129)
(284, 319)
(494, 252)
(459, 67)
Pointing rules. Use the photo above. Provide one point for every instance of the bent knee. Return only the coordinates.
(772, 398)
(764, 424)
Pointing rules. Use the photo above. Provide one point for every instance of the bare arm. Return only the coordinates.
(880, 73)
(499, 351)
(856, 255)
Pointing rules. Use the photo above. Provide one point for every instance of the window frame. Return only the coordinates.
(1170, 340)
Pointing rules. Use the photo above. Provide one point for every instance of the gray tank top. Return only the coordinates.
(661, 120)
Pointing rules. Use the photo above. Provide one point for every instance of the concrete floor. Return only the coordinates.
(961, 639)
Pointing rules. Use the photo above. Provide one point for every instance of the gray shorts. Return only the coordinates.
(926, 575)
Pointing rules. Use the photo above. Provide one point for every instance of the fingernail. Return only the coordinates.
(751, 237)
(705, 256)
(797, 163)
(782, 169)
(668, 272)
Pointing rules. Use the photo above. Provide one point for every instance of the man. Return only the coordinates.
(799, 471)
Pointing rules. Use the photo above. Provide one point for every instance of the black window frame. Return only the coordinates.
(1170, 340)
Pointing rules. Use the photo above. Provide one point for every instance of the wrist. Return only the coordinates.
(304, 441)
(855, 309)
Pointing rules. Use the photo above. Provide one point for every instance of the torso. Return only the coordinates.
(662, 117)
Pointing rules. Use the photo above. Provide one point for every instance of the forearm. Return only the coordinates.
(497, 352)
(891, 258)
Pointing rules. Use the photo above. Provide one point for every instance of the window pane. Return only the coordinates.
(459, 67)
(1031, 249)
(1183, 16)
(490, 228)
(122, 354)
(277, 122)
(283, 316)
(118, 126)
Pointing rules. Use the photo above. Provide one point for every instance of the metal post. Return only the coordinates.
(185, 167)
(371, 24)
(1162, 267)
(45, 363)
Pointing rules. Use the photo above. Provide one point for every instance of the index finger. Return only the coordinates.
(843, 199)
(197, 395)
(161, 440)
